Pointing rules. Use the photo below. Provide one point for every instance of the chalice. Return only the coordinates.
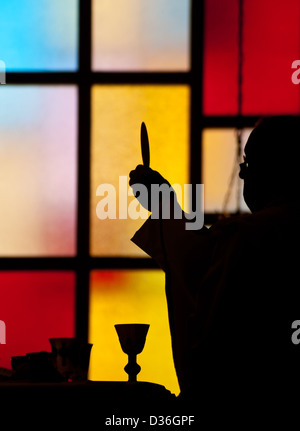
(132, 337)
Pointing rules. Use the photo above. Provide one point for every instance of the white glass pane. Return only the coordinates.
(140, 35)
(38, 150)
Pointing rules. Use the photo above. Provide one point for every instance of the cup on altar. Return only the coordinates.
(71, 357)
(132, 337)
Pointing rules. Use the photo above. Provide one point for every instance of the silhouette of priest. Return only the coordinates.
(233, 290)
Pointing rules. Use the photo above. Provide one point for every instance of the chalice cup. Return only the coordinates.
(132, 337)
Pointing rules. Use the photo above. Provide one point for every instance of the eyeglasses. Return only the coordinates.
(245, 164)
(243, 168)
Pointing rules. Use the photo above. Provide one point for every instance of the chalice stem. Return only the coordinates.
(132, 368)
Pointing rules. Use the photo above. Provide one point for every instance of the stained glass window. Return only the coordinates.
(117, 115)
(35, 306)
(38, 153)
(130, 296)
(65, 134)
(141, 35)
(39, 35)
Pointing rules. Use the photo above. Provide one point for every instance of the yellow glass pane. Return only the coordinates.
(219, 147)
(130, 296)
(117, 113)
(140, 35)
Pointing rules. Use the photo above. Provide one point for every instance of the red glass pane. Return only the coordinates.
(220, 57)
(35, 306)
(271, 44)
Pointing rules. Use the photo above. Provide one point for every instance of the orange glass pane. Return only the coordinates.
(130, 296)
(117, 114)
(219, 149)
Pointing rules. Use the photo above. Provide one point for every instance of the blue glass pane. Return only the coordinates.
(39, 35)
